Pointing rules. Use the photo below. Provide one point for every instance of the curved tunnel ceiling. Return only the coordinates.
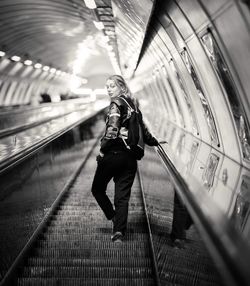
(55, 32)
(61, 34)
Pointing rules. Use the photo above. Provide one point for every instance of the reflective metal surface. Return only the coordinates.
(16, 145)
(237, 108)
(169, 219)
(223, 179)
(13, 119)
(29, 189)
(131, 22)
(200, 93)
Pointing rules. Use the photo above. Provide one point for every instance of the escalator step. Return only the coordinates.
(82, 213)
(87, 272)
(93, 207)
(86, 230)
(130, 245)
(95, 236)
(83, 225)
(77, 203)
(118, 250)
(83, 282)
(175, 278)
(83, 201)
(98, 262)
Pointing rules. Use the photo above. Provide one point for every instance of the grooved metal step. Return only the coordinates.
(90, 207)
(118, 250)
(82, 212)
(77, 203)
(98, 262)
(94, 236)
(85, 282)
(87, 272)
(99, 244)
(83, 225)
(101, 230)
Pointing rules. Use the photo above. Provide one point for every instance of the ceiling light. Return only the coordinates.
(52, 70)
(106, 39)
(75, 82)
(84, 81)
(46, 68)
(27, 62)
(109, 48)
(2, 54)
(112, 54)
(99, 25)
(90, 4)
(37, 66)
(15, 58)
(100, 91)
(110, 33)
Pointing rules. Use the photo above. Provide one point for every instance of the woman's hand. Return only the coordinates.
(160, 141)
(99, 157)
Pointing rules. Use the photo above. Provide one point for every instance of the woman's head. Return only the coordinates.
(116, 86)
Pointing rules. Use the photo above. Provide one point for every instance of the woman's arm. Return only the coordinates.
(113, 125)
(148, 138)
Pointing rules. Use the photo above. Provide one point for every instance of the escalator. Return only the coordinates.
(75, 247)
(72, 245)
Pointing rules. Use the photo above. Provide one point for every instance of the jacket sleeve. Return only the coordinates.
(113, 125)
(148, 138)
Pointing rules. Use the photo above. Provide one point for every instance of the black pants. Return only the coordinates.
(121, 166)
(181, 219)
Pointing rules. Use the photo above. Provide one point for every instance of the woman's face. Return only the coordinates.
(112, 89)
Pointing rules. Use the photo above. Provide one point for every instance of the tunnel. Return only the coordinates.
(187, 65)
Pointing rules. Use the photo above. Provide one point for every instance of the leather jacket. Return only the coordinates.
(116, 127)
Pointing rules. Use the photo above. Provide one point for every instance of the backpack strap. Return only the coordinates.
(132, 109)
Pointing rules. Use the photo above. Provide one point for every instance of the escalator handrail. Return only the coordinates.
(11, 161)
(24, 126)
(230, 252)
(12, 272)
(25, 108)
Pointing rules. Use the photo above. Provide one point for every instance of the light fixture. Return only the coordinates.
(2, 54)
(83, 91)
(75, 82)
(28, 62)
(111, 54)
(46, 68)
(52, 70)
(84, 81)
(109, 48)
(99, 25)
(106, 39)
(110, 33)
(37, 66)
(15, 59)
(90, 4)
(101, 91)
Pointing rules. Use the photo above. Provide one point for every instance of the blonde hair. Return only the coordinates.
(120, 82)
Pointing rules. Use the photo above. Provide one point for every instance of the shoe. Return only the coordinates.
(113, 224)
(179, 243)
(113, 220)
(117, 237)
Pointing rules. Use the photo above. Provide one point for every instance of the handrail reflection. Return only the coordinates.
(230, 251)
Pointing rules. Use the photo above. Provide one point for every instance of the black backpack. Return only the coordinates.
(135, 140)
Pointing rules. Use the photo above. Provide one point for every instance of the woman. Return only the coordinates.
(115, 159)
